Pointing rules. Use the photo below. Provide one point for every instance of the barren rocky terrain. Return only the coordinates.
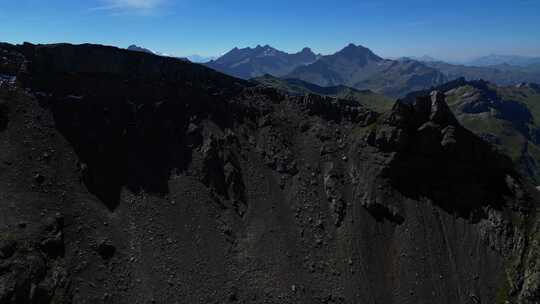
(132, 178)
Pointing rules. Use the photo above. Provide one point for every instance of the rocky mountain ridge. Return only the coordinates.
(132, 178)
(505, 116)
(358, 67)
(249, 62)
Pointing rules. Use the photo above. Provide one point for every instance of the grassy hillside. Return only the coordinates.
(508, 117)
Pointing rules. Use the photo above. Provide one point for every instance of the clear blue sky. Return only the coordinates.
(454, 30)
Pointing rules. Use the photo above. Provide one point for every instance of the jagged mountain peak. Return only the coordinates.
(358, 67)
(248, 51)
(262, 59)
(357, 51)
(266, 46)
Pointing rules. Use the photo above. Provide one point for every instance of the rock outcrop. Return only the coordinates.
(432, 156)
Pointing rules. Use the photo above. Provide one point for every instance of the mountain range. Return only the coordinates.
(192, 58)
(492, 60)
(127, 177)
(354, 66)
(483, 61)
(248, 62)
(358, 67)
(502, 74)
(424, 58)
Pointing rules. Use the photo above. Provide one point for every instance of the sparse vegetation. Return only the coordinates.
(486, 110)
(376, 102)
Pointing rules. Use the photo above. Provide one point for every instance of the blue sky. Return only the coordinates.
(451, 30)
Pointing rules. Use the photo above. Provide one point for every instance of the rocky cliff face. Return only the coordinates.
(132, 178)
(505, 116)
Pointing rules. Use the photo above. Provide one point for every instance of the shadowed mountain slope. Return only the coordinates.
(506, 116)
(132, 178)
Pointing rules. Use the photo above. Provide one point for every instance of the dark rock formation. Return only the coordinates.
(452, 167)
(165, 181)
(503, 116)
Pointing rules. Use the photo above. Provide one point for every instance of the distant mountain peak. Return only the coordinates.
(137, 48)
(358, 67)
(264, 47)
(424, 58)
(262, 59)
(353, 47)
(358, 52)
(497, 59)
(308, 53)
(200, 59)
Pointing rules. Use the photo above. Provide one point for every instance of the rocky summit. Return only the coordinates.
(127, 177)
(505, 116)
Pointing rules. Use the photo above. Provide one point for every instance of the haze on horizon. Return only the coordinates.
(454, 31)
